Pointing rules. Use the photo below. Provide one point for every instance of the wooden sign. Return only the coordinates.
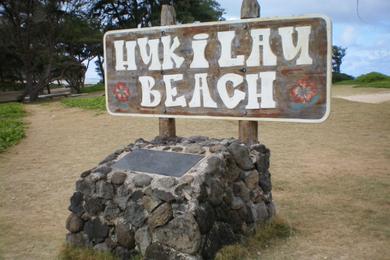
(256, 69)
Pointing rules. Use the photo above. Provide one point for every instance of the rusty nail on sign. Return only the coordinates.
(191, 70)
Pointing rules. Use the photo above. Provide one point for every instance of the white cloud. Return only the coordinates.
(362, 59)
(349, 35)
(366, 32)
(373, 12)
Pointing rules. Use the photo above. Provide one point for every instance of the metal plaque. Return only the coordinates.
(158, 162)
(276, 69)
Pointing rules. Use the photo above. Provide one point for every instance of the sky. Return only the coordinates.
(364, 31)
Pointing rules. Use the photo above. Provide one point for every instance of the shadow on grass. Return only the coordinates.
(265, 236)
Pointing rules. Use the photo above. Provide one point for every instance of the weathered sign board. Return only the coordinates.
(256, 69)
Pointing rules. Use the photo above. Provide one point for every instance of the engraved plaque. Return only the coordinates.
(158, 162)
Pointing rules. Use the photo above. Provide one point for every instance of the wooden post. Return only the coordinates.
(167, 126)
(248, 130)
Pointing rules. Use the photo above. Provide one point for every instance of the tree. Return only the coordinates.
(338, 54)
(124, 14)
(78, 43)
(43, 41)
(30, 30)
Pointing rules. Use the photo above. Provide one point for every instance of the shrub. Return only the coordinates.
(11, 86)
(371, 77)
(337, 77)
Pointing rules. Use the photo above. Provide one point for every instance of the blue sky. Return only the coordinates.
(365, 33)
(366, 36)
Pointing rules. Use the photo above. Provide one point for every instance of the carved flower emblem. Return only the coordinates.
(121, 92)
(304, 91)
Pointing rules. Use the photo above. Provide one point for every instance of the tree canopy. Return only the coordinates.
(338, 54)
(44, 41)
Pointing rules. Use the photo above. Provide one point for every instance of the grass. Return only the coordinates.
(331, 181)
(376, 84)
(11, 125)
(265, 236)
(78, 253)
(369, 80)
(91, 103)
(95, 88)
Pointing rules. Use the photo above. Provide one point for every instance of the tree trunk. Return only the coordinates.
(100, 63)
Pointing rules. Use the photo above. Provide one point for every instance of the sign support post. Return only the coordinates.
(248, 130)
(167, 126)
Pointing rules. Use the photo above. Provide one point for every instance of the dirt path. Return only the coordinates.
(331, 181)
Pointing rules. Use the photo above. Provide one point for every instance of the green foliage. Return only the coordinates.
(11, 111)
(110, 15)
(95, 88)
(45, 41)
(189, 11)
(338, 54)
(92, 103)
(369, 80)
(337, 77)
(30, 35)
(266, 234)
(11, 86)
(376, 84)
(130, 14)
(11, 125)
(371, 77)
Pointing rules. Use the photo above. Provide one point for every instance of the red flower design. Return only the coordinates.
(121, 92)
(304, 91)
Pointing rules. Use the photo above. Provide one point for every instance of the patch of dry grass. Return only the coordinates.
(266, 236)
(77, 253)
(330, 181)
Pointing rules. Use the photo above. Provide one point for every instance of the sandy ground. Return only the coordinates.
(362, 95)
(331, 181)
(376, 98)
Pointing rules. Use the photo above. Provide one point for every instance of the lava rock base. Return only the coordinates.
(217, 202)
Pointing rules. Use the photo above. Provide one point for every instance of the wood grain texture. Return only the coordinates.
(167, 126)
(250, 9)
(289, 75)
(168, 15)
(248, 131)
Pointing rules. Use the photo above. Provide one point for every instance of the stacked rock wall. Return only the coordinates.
(218, 202)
